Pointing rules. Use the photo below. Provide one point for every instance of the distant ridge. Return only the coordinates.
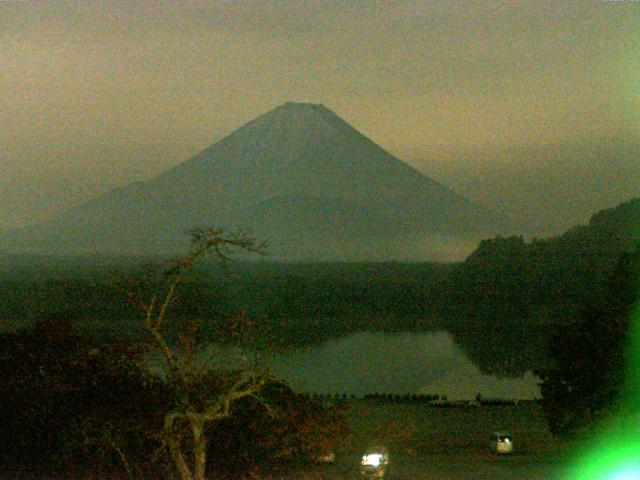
(298, 175)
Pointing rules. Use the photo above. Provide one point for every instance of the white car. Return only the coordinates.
(501, 443)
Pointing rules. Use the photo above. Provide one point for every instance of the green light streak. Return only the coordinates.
(613, 452)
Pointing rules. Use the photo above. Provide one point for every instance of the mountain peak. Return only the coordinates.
(301, 110)
(290, 104)
(291, 123)
(298, 174)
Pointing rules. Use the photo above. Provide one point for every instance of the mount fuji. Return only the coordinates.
(298, 176)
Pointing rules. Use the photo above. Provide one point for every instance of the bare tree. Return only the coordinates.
(205, 390)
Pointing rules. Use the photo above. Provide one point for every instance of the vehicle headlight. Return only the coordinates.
(374, 459)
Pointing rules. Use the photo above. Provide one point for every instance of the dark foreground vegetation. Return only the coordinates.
(75, 407)
(594, 357)
(79, 399)
(149, 406)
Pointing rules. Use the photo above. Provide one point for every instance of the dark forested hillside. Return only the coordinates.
(509, 293)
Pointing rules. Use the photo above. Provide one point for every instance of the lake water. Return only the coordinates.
(397, 363)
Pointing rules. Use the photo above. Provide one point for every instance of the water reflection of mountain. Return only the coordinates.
(397, 363)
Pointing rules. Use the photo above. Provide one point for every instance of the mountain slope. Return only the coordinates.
(300, 158)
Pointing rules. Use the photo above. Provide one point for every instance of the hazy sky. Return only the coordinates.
(529, 107)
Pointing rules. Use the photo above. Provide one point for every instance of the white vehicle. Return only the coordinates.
(375, 462)
(501, 443)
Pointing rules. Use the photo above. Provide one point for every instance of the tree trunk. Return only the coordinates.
(199, 448)
(181, 465)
